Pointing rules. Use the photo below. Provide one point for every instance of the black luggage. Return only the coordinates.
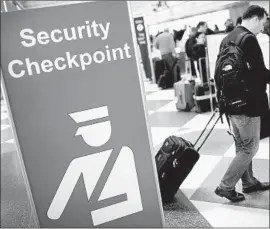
(175, 160)
(160, 67)
(203, 98)
(166, 80)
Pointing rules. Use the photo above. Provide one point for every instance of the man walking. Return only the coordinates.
(246, 123)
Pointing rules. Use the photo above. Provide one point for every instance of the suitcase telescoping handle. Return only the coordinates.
(213, 115)
(200, 68)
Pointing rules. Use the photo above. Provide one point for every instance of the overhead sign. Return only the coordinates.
(73, 89)
(143, 42)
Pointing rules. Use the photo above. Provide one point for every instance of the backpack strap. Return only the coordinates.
(230, 132)
(238, 42)
(228, 121)
(240, 38)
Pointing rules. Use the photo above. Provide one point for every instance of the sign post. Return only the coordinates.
(78, 113)
(143, 42)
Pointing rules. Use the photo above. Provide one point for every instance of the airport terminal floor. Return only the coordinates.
(195, 204)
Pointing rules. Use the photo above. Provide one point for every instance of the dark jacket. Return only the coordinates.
(189, 46)
(229, 28)
(178, 35)
(209, 32)
(199, 52)
(259, 75)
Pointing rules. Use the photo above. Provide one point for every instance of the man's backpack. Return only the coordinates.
(231, 74)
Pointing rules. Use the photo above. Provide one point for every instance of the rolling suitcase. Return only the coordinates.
(184, 93)
(175, 160)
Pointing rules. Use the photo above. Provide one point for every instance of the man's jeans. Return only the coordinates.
(247, 139)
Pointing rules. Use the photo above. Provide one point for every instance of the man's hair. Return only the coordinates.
(253, 11)
(239, 21)
(267, 27)
(201, 23)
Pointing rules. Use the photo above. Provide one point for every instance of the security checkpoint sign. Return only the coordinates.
(71, 79)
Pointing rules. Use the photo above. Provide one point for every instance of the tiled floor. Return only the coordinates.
(216, 155)
(195, 205)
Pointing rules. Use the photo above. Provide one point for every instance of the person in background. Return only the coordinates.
(151, 38)
(266, 29)
(189, 49)
(166, 45)
(229, 25)
(202, 27)
(199, 52)
(238, 21)
(246, 124)
(178, 35)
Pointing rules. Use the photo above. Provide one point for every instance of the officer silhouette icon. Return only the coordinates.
(122, 178)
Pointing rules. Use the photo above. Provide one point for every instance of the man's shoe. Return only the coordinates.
(230, 195)
(257, 187)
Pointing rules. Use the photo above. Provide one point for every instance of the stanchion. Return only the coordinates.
(208, 79)
(18, 5)
(149, 51)
(5, 6)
